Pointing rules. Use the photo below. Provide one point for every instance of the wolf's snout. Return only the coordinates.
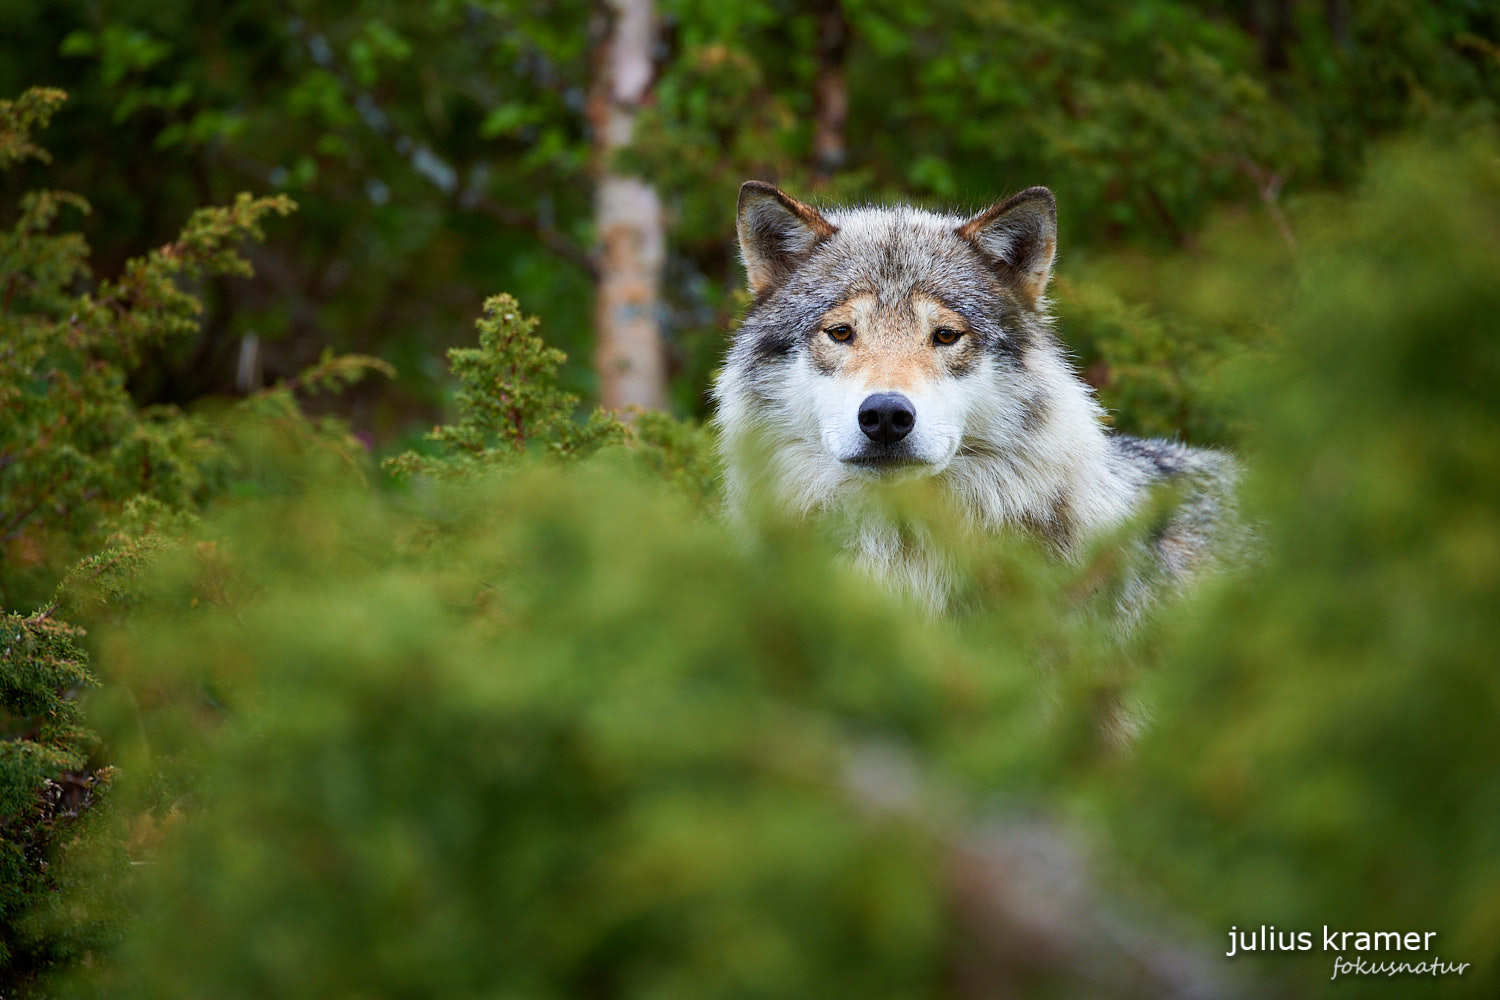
(887, 417)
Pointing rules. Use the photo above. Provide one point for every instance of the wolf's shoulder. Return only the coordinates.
(1201, 524)
(1154, 460)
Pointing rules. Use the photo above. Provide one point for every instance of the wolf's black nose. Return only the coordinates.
(887, 417)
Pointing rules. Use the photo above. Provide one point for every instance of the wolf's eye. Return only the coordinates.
(841, 332)
(945, 336)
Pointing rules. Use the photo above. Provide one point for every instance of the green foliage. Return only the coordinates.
(87, 472)
(42, 662)
(103, 584)
(1140, 123)
(75, 447)
(682, 452)
(45, 784)
(444, 151)
(436, 152)
(1323, 744)
(1157, 374)
(20, 117)
(508, 401)
(510, 407)
(483, 761)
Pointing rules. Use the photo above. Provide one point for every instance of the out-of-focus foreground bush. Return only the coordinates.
(1324, 743)
(536, 726)
(91, 484)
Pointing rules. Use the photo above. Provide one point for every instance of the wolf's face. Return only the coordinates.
(889, 341)
(888, 379)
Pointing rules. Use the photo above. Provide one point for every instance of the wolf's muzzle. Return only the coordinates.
(887, 417)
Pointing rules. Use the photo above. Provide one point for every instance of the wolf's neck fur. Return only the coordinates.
(1058, 476)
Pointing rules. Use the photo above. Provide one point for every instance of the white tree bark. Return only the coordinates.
(628, 216)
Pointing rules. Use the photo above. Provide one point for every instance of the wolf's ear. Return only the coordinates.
(776, 233)
(1019, 235)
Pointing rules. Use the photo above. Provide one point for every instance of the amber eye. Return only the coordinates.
(945, 336)
(840, 332)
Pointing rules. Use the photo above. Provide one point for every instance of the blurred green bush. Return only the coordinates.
(91, 484)
(545, 737)
(1324, 742)
(74, 446)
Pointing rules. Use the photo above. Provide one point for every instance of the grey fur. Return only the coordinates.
(1015, 435)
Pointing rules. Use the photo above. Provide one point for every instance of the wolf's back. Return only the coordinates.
(1197, 522)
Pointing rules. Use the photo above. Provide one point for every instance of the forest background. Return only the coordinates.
(563, 749)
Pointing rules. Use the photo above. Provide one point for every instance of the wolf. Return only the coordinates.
(894, 342)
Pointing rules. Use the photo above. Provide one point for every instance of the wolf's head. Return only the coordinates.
(895, 341)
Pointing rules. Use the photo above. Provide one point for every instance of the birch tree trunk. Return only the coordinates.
(628, 216)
